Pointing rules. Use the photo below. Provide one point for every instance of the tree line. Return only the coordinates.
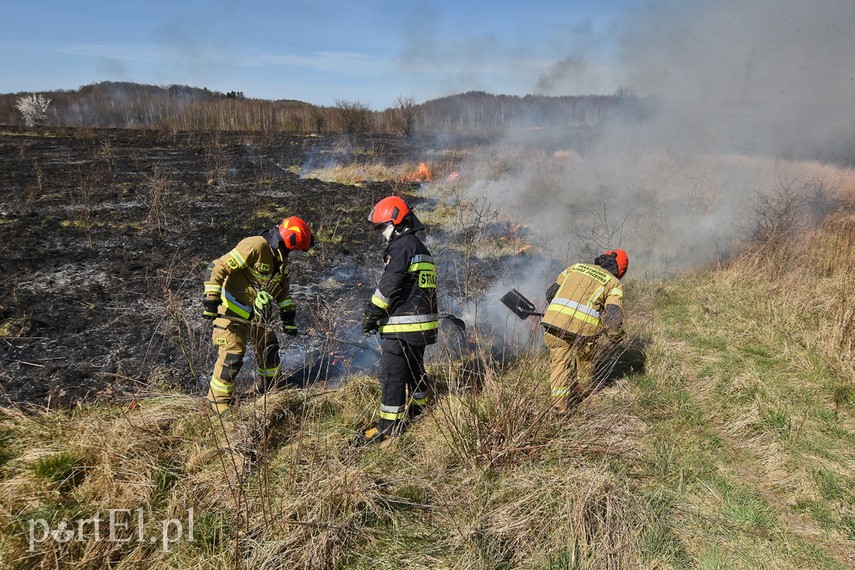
(183, 108)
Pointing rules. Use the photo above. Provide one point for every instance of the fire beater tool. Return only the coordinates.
(455, 320)
(301, 333)
(519, 305)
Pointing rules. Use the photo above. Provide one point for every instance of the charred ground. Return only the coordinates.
(106, 235)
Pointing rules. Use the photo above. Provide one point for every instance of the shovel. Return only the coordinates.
(519, 305)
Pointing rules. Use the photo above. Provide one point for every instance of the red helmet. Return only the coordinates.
(296, 234)
(389, 209)
(622, 261)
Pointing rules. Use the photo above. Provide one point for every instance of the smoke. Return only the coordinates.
(775, 77)
(579, 67)
(729, 93)
(561, 72)
(731, 96)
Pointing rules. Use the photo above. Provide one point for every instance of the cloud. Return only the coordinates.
(327, 61)
(117, 52)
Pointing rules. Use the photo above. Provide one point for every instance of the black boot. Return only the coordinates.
(380, 433)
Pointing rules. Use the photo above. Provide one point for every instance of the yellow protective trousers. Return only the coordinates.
(230, 338)
(572, 365)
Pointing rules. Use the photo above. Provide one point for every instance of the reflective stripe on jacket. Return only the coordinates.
(250, 267)
(583, 292)
(405, 299)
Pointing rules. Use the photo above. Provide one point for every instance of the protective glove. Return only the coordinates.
(369, 325)
(210, 308)
(288, 325)
(264, 304)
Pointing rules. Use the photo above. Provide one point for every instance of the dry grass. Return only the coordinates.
(731, 447)
(278, 483)
(810, 282)
(757, 414)
(363, 172)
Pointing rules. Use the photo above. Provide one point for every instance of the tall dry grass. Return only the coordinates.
(749, 397)
(279, 484)
(809, 287)
(695, 454)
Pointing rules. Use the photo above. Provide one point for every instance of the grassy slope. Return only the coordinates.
(758, 403)
(733, 449)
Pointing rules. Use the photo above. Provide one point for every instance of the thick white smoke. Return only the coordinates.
(771, 76)
(732, 93)
(736, 100)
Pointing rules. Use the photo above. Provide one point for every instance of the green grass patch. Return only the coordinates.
(745, 507)
(65, 470)
(11, 327)
(9, 447)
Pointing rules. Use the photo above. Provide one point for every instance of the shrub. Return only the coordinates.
(33, 109)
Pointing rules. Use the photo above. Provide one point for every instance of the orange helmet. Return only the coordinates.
(622, 261)
(389, 209)
(296, 234)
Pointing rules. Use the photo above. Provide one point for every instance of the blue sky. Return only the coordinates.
(372, 51)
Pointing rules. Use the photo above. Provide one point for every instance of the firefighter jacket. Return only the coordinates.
(586, 294)
(404, 302)
(255, 264)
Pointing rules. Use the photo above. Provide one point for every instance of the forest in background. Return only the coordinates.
(180, 107)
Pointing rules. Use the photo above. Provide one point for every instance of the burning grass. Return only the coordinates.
(359, 173)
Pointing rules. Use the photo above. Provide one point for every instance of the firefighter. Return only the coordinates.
(403, 310)
(243, 291)
(585, 302)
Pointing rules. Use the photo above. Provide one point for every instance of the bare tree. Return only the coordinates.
(626, 92)
(33, 109)
(406, 114)
(353, 116)
(603, 233)
(792, 208)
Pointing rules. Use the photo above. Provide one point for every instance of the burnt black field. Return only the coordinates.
(106, 235)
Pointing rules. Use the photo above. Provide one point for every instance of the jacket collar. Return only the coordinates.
(274, 240)
(411, 226)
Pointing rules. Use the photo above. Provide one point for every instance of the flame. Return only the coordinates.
(422, 174)
(453, 176)
(336, 357)
(522, 249)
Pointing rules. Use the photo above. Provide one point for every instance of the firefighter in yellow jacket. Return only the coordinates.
(243, 291)
(585, 301)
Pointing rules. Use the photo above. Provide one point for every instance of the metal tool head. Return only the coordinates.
(519, 305)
